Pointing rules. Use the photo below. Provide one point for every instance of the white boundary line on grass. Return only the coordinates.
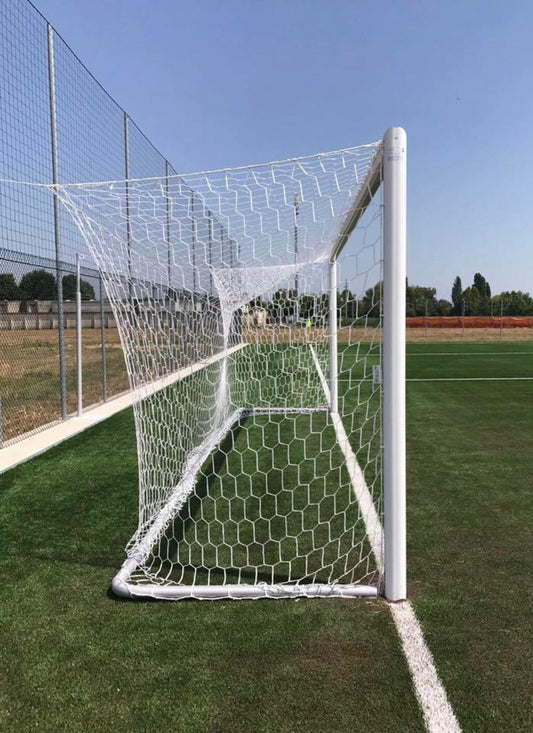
(321, 375)
(457, 379)
(438, 713)
(471, 379)
(27, 448)
(470, 353)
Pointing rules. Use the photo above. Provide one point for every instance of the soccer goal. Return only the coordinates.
(262, 315)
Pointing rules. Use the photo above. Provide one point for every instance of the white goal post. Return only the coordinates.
(262, 316)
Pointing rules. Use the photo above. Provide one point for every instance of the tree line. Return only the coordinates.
(42, 285)
(474, 300)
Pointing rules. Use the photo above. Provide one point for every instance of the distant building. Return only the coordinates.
(254, 316)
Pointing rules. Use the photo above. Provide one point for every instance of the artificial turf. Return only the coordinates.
(76, 658)
(470, 543)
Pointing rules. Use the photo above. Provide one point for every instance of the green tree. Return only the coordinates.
(473, 301)
(306, 304)
(346, 303)
(322, 307)
(38, 285)
(282, 307)
(482, 285)
(69, 288)
(515, 303)
(443, 308)
(457, 296)
(257, 303)
(370, 302)
(9, 290)
(420, 300)
(483, 288)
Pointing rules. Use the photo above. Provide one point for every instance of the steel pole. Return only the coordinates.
(394, 278)
(210, 250)
(168, 218)
(79, 355)
(296, 284)
(57, 230)
(127, 202)
(333, 357)
(193, 253)
(103, 340)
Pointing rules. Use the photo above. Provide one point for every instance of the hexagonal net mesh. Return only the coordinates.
(251, 329)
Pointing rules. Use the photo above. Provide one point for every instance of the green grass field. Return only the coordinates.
(75, 657)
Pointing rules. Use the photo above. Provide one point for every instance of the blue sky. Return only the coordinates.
(228, 82)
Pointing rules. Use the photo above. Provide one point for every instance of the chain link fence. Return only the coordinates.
(57, 124)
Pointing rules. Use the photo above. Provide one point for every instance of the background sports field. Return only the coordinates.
(29, 370)
(76, 658)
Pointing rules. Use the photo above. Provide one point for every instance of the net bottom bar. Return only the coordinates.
(235, 592)
(249, 411)
(123, 588)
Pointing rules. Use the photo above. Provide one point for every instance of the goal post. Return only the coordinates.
(394, 285)
(261, 312)
(389, 170)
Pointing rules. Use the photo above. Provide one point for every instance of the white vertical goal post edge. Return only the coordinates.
(389, 168)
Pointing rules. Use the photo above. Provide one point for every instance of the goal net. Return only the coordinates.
(250, 308)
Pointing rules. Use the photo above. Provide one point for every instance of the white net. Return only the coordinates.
(235, 336)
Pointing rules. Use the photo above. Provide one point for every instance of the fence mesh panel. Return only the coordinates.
(44, 89)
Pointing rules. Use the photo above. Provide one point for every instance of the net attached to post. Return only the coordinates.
(251, 482)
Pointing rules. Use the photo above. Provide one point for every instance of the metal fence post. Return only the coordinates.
(102, 337)
(171, 301)
(296, 288)
(167, 228)
(210, 250)
(127, 184)
(333, 357)
(193, 239)
(79, 344)
(57, 234)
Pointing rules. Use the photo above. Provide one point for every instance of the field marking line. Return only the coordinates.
(471, 353)
(469, 379)
(346, 357)
(356, 382)
(439, 716)
(461, 342)
(369, 513)
(438, 713)
(321, 375)
(27, 448)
